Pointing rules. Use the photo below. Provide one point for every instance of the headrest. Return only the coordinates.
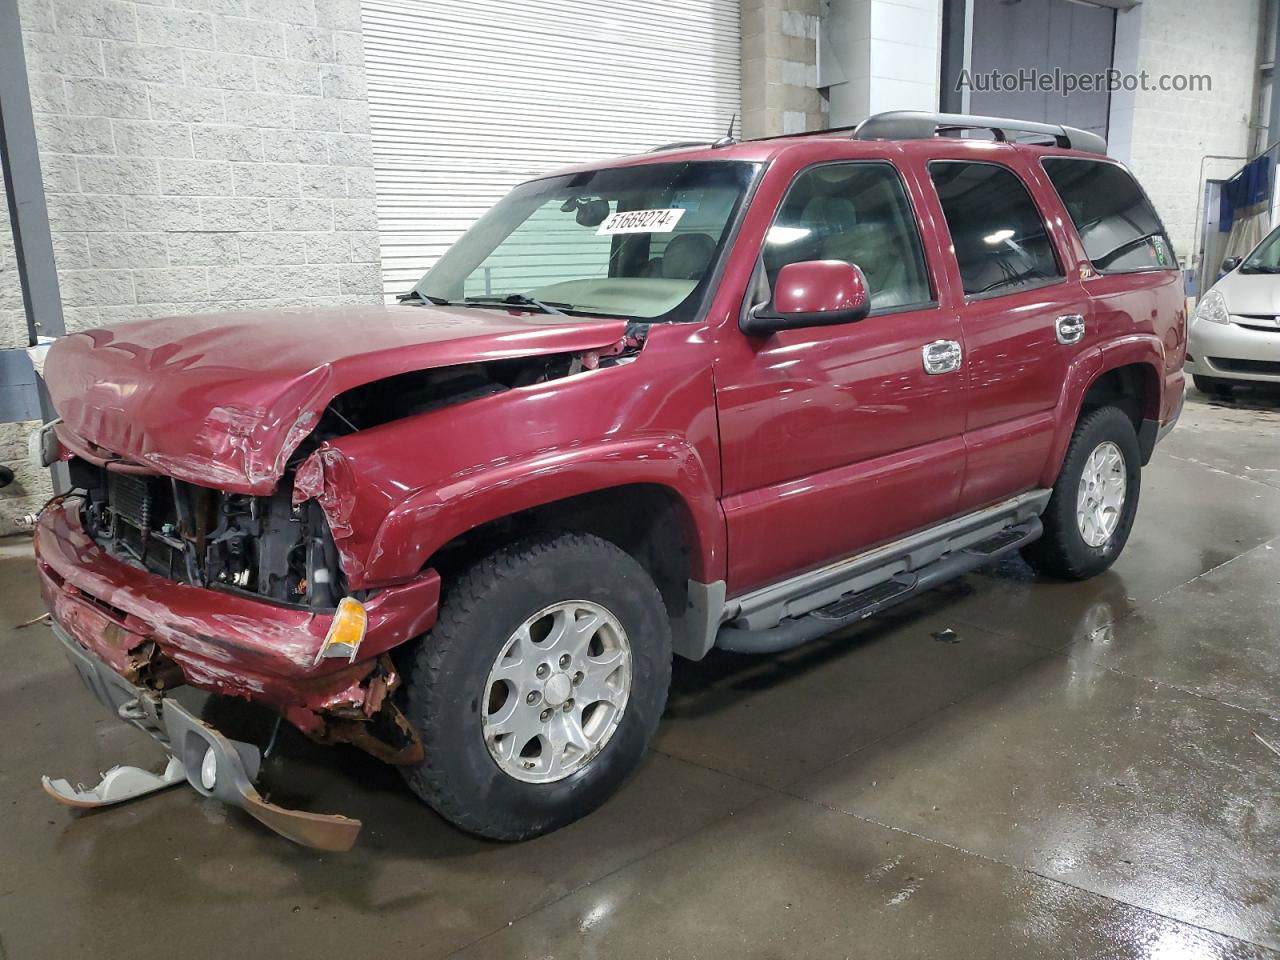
(830, 214)
(687, 256)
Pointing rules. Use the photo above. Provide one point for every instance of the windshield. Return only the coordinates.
(1265, 257)
(638, 242)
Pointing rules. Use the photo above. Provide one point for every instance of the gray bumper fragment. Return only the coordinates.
(214, 765)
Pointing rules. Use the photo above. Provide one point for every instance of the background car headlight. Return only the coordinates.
(1213, 307)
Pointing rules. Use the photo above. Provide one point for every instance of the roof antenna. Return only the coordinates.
(728, 139)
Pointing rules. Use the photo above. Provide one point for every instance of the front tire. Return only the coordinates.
(540, 687)
(1094, 501)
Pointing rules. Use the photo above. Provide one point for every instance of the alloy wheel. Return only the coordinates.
(1101, 494)
(557, 691)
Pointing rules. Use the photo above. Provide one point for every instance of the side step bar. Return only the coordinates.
(852, 607)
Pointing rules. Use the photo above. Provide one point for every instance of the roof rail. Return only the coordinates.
(680, 145)
(918, 125)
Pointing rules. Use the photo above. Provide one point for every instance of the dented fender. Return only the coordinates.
(396, 493)
(461, 503)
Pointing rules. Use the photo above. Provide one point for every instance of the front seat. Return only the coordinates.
(839, 236)
(687, 256)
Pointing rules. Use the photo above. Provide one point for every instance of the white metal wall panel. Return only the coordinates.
(469, 97)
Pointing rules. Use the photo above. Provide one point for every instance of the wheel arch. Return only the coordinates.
(652, 522)
(1128, 375)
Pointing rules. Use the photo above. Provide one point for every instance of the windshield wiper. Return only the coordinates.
(1105, 261)
(1030, 274)
(520, 300)
(1258, 268)
(420, 297)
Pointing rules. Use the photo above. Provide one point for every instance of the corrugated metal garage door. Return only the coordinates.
(469, 98)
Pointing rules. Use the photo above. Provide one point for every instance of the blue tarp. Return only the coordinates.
(1247, 188)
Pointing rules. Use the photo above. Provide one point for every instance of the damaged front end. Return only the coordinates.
(261, 546)
(228, 553)
(154, 584)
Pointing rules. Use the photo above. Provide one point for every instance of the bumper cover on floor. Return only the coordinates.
(213, 764)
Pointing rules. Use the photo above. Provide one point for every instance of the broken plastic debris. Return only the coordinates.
(946, 636)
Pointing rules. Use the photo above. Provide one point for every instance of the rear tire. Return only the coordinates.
(1213, 386)
(512, 626)
(1087, 524)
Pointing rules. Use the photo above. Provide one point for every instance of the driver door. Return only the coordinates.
(835, 439)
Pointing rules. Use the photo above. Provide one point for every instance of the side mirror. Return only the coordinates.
(812, 293)
(1231, 263)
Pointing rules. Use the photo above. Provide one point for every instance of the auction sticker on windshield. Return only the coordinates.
(640, 221)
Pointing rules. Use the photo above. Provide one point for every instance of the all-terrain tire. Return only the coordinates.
(445, 685)
(1062, 550)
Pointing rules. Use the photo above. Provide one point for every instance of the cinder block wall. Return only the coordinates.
(1164, 135)
(779, 67)
(197, 155)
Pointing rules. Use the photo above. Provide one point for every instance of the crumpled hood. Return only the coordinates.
(223, 399)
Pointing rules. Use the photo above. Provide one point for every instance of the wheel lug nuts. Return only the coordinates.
(545, 715)
(577, 678)
(568, 705)
(543, 670)
(533, 697)
(564, 660)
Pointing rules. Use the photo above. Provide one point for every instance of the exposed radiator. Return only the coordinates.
(130, 499)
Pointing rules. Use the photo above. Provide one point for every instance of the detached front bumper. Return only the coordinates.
(224, 642)
(214, 765)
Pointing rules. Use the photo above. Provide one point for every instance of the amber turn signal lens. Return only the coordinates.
(346, 632)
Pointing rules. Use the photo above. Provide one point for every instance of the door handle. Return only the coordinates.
(1069, 328)
(941, 356)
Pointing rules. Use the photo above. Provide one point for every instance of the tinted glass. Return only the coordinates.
(564, 240)
(999, 238)
(856, 212)
(1116, 222)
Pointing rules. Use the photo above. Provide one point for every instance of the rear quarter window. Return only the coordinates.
(1116, 222)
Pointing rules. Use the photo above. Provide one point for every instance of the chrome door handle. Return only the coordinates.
(941, 356)
(1069, 328)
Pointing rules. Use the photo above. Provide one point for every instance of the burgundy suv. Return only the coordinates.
(736, 395)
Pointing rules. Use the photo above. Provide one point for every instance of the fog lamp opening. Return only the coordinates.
(209, 769)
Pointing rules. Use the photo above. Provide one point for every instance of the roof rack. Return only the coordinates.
(918, 125)
(681, 145)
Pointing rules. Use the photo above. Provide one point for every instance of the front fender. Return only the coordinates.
(431, 517)
(396, 493)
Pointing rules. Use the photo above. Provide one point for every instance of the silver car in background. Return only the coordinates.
(1235, 330)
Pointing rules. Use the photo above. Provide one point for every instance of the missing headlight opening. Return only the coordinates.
(262, 545)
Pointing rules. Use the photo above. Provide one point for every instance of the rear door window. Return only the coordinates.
(999, 237)
(1115, 220)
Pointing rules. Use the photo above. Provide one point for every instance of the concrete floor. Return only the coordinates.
(1077, 776)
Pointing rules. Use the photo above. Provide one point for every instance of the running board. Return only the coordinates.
(853, 607)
